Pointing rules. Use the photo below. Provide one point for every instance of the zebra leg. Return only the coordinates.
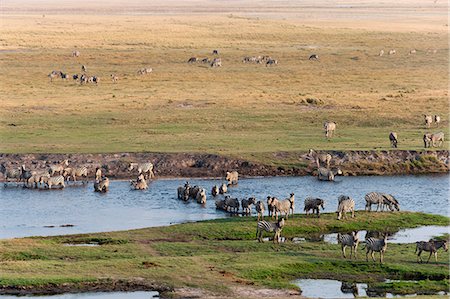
(373, 255)
(343, 251)
(367, 254)
(381, 256)
(419, 258)
(355, 250)
(431, 252)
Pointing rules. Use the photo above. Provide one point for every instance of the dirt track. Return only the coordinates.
(208, 165)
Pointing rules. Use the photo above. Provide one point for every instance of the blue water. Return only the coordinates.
(25, 212)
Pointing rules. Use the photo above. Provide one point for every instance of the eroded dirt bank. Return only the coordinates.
(209, 165)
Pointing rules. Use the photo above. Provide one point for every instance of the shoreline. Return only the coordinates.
(201, 165)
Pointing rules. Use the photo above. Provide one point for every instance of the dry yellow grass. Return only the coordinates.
(239, 109)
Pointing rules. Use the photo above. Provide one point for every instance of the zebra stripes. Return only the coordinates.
(350, 240)
(431, 246)
(314, 204)
(376, 245)
(346, 204)
(53, 181)
(145, 168)
(382, 200)
(265, 226)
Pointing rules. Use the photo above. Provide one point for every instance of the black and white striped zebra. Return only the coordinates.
(376, 245)
(53, 181)
(247, 205)
(260, 210)
(374, 198)
(346, 204)
(10, 172)
(270, 227)
(73, 173)
(351, 240)
(431, 246)
(314, 204)
(390, 202)
(145, 168)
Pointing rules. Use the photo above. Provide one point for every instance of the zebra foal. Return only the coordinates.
(270, 227)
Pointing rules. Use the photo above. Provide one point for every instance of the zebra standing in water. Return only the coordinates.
(145, 168)
(350, 240)
(270, 227)
(346, 204)
(376, 245)
(431, 246)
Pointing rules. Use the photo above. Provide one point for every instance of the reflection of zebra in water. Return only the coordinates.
(431, 246)
(270, 227)
(376, 245)
(350, 240)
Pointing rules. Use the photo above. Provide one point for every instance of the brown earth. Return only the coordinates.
(172, 165)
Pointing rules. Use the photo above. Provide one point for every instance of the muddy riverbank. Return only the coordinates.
(352, 163)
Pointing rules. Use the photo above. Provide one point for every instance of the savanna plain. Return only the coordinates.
(244, 110)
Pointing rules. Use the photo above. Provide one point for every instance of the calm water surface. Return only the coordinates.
(26, 212)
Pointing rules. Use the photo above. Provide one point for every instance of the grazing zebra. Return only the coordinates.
(314, 57)
(437, 138)
(284, 206)
(271, 62)
(427, 140)
(437, 120)
(428, 120)
(376, 245)
(431, 246)
(114, 78)
(324, 174)
(320, 158)
(391, 202)
(215, 190)
(216, 62)
(247, 205)
(101, 185)
(314, 204)
(381, 53)
(140, 183)
(201, 196)
(81, 171)
(145, 168)
(83, 79)
(75, 77)
(64, 76)
(220, 205)
(58, 168)
(392, 52)
(75, 53)
(223, 189)
(260, 210)
(350, 240)
(346, 204)
(232, 177)
(205, 60)
(10, 173)
(192, 59)
(329, 127)
(83, 68)
(53, 181)
(232, 204)
(53, 75)
(374, 198)
(269, 227)
(393, 139)
(215, 52)
(144, 71)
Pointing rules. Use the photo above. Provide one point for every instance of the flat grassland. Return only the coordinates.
(239, 109)
(222, 258)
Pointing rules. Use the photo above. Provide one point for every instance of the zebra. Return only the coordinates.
(431, 246)
(140, 183)
(215, 52)
(64, 76)
(232, 204)
(83, 68)
(220, 205)
(192, 59)
(269, 227)
(215, 190)
(437, 138)
(437, 120)
(223, 189)
(314, 57)
(232, 177)
(324, 174)
(58, 168)
(35, 178)
(314, 204)
(114, 78)
(381, 53)
(428, 120)
(271, 205)
(53, 75)
(392, 52)
(53, 181)
(83, 79)
(10, 173)
(393, 139)
(271, 62)
(144, 71)
(376, 245)
(201, 196)
(412, 51)
(260, 210)
(351, 240)
(247, 205)
(145, 168)
(101, 185)
(75, 53)
(329, 127)
(81, 171)
(284, 206)
(193, 191)
(427, 140)
(183, 192)
(374, 198)
(320, 158)
(75, 77)
(98, 174)
(205, 60)
(391, 202)
(216, 62)
(346, 204)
